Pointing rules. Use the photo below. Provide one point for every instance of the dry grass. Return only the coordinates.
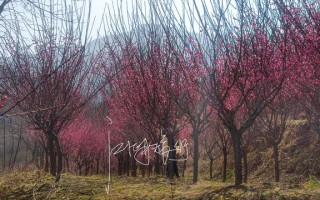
(36, 185)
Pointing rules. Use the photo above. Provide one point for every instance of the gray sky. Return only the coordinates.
(98, 7)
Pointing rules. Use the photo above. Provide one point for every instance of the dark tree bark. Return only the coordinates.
(52, 155)
(4, 144)
(59, 155)
(41, 158)
(172, 168)
(46, 164)
(79, 168)
(67, 164)
(276, 163)
(225, 163)
(121, 166)
(127, 163)
(236, 140)
(98, 165)
(211, 168)
(87, 167)
(133, 166)
(17, 149)
(245, 166)
(157, 165)
(195, 136)
(184, 166)
(143, 167)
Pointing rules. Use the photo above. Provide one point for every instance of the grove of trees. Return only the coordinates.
(233, 72)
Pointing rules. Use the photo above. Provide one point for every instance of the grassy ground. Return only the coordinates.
(35, 185)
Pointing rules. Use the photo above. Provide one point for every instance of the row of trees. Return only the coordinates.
(242, 69)
(237, 74)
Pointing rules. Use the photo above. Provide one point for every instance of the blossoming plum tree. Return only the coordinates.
(245, 60)
(49, 77)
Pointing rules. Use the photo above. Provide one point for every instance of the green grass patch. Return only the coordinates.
(312, 184)
(35, 185)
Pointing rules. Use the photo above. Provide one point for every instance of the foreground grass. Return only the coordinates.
(35, 185)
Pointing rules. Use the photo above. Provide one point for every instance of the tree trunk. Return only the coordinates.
(133, 166)
(17, 149)
(318, 131)
(34, 153)
(104, 166)
(127, 164)
(143, 167)
(41, 158)
(4, 144)
(59, 155)
(92, 167)
(67, 163)
(245, 166)
(97, 170)
(195, 136)
(120, 165)
(236, 142)
(225, 163)
(52, 155)
(87, 167)
(79, 168)
(157, 164)
(276, 163)
(11, 150)
(184, 166)
(211, 168)
(172, 167)
(46, 165)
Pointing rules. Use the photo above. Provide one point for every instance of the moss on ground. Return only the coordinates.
(37, 185)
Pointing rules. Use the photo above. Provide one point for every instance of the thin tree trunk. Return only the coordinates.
(157, 164)
(86, 171)
(276, 163)
(121, 165)
(11, 151)
(195, 136)
(318, 131)
(97, 170)
(143, 167)
(211, 168)
(17, 149)
(67, 163)
(236, 141)
(4, 143)
(26, 153)
(133, 166)
(170, 166)
(59, 155)
(225, 163)
(52, 155)
(184, 166)
(127, 163)
(245, 166)
(46, 165)
(35, 155)
(41, 158)
(79, 168)
(103, 162)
